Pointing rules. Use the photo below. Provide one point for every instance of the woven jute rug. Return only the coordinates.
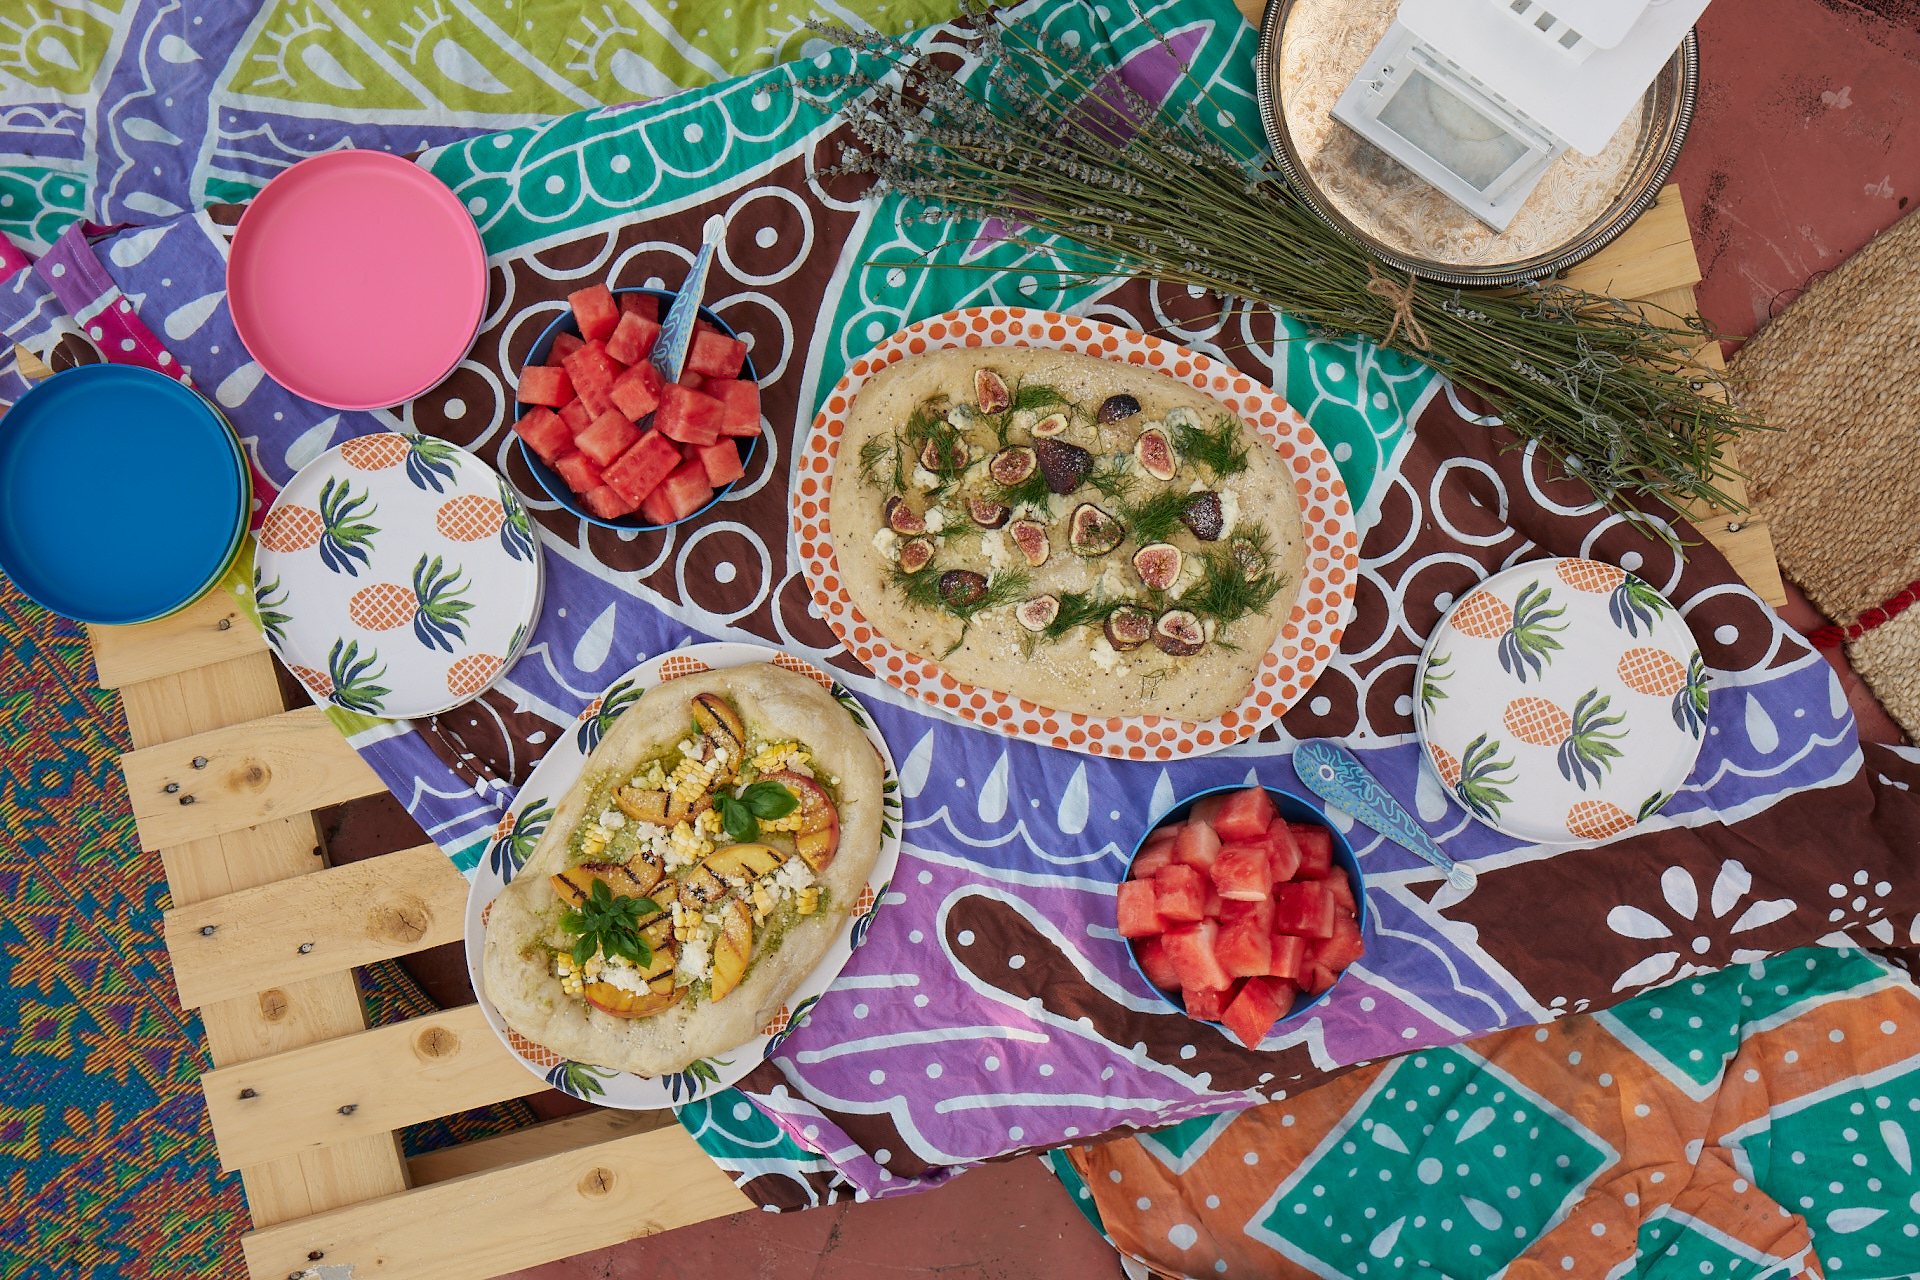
(1839, 372)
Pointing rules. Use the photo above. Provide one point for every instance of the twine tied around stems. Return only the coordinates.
(1401, 296)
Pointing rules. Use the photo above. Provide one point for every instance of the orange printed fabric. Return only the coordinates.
(1759, 1121)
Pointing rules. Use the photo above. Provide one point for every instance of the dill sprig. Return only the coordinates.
(1218, 448)
(880, 456)
(1112, 477)
(1080, 609)
(1023, 132)
(1156, 519)
(1227, 591)
(1031, 492)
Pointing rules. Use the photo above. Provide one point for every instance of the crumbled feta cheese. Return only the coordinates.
(620, 973)
(613, 820)
(1106, 657)
(994, 543)
(924, 479)
(1182, 417)
(1113, 580)
(887, 543)
(695, 960)
(936, 518)
(1229, 510)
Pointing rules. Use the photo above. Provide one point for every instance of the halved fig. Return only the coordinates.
(901, 517)
(962, 587)
(1250, 559)
(953, 462)
(1128, 627)
(1154, 452)
(990, 391)
(1010, 466)
(1203, 516)
(1038, 613)
(1158, 564)
(720, 723)
(988, 515)
(1051, 425)
(1064, 465)
(1092, 532)
(1179, 634)
(915, 554)
(1118, 408)
(1031, 537)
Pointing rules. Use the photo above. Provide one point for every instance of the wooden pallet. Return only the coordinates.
(305, 1099)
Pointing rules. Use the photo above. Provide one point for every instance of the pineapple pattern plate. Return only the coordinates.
(397, 575)
(1561, 700)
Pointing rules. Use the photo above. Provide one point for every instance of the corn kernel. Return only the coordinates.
(708, 821)
(809, 900)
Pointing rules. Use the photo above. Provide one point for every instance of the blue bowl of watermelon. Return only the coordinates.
(1242, 908)
(608, 438)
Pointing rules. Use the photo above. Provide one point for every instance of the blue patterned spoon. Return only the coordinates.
(1334, 774)
(676, 331)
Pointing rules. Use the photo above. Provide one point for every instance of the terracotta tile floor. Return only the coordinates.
(1806, 144)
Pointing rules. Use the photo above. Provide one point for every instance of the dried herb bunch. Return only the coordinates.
(1019, 126)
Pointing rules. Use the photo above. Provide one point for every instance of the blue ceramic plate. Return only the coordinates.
(1293, 809)
(550, 479)
(123, 494)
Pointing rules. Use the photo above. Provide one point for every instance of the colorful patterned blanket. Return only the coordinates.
(992, 1008)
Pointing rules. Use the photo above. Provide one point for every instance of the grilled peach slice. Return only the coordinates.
(621, 1003)
(818, 838)
(679, 810)
(643, 806)
(732, 949)
(701, 889)
(750, 860)
(624, 880)
(720, 722)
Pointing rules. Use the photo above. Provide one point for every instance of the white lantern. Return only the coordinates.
(1479, 97)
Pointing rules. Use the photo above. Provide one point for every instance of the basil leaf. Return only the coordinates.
(737, 818)
(643, 907)
(583, 950)
(643, 953)
(573, 922)
(770, 800)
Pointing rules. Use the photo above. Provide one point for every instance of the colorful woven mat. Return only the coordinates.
(1758, 1121)
(107, 1166)
(992, 1008)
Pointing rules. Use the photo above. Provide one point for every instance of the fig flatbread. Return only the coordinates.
(524, 930)
(1069, 561)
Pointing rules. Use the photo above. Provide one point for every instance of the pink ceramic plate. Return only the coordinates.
(356, 279)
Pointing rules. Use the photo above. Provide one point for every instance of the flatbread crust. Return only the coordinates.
(1062, 676)
(775, 704)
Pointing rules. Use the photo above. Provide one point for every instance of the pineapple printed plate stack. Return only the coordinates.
(397, 575)
(1562, 700)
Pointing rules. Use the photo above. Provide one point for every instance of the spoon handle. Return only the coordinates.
(1334, 774)
(676, 331)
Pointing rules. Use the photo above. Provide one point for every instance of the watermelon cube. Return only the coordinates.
(581, 473)
(575, 415)
(688, 416)
(742, 399)
(687, 490)
(638, 471)
(644, 305)
(1245, 950)
(691, 379)
(636, 392)
(1139, 917)
(1198, 846)
(722, 461)
(1190, 948)
(607, 502)
(1205, 1004)
(1155, 964)
(1245, 815)
(1252, 1013)
(1282, 853)
(715, 355)
(1180, 893)
(656, 508)
(1337, 884)
(542, 385)
(1242, 872)
(594, 308)
(607, 437)
(633, 339)
(700, 325)
(1316, 850)
(1305, 908)
(593, 372)
(564, 345)
(545, 434)
(1206, 809)
(1289, 956)
(1148, 862)
(1343, 948)
(1317, 979)
(1261, 911)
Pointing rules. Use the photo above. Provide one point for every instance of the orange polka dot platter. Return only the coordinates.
(1308, 637)
(396, 575)
(534, 807)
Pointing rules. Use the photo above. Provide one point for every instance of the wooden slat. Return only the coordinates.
(535, 1142)
(203, 700)
(32, 367)
(254, 772)
(193, 637)
(508, 1218)
(357, 1085)
(1654, 254)
(315, 924)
